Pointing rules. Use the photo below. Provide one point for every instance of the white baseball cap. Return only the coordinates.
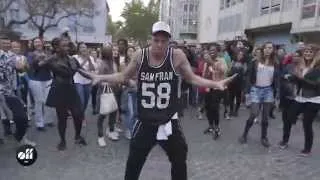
(161, 26)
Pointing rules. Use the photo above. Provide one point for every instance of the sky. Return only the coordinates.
(116, 7)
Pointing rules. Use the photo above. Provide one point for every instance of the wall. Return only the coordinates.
(231, 22)
(208, 21)
(282, 37)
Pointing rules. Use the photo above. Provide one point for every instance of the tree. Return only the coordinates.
(4, 8)
(46, 14)
(4, 5)
(139, 19)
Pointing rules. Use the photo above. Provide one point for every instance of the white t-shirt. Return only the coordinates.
(264, 75)
(78, 78)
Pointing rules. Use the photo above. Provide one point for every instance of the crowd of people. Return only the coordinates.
(151, 87)
(40, 77)
(47, 75)
(268, 77)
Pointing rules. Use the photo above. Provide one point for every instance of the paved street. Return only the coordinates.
(224, 159)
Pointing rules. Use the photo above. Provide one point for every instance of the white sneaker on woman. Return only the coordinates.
(101, 142)
(26, 141)
(114, 136)
(128, 134)
(119, 130)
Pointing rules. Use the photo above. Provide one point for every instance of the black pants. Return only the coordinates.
(235, 93)
(287, 123)
(212, 106)
(19, 117)
(144, 139)
(77, 116)
(23, 89)
(255, 109)
(309, 111)
(94, 91)
(112, 122)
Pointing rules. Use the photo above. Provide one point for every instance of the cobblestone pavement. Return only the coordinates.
(224, 159)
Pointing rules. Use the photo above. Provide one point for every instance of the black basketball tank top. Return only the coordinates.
(158, 90)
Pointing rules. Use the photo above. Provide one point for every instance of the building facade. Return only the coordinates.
(283, 22)
(183, 18)
(81, 28)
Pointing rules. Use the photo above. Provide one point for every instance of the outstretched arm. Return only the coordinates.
(123, 76)
(185, 70)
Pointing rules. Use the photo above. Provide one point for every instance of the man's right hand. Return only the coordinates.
(222, 85)
(95, 80)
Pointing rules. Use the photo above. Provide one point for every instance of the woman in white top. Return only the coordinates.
(262, 83)
(83, 84)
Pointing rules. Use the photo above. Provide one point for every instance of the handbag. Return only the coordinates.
(108, 102)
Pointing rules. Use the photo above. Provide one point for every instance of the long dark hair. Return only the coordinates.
(237, 52)
(32, 43)
(273, 60)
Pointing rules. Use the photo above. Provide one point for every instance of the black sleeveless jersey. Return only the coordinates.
(158, 90)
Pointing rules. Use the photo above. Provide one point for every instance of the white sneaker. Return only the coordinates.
(118, 130)
(114, 136)
(26, 141)
(200, 116)
(101, 142)
(128, 134)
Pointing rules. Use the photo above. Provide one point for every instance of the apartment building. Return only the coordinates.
(82, 28)
(283, 22)
(182, 16)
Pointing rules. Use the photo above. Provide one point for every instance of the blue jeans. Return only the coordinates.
(130, 113)
(261, 94)
(84, 91)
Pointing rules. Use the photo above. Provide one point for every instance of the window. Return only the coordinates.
(309, 9)
(222, 4)
(191, 7)
(275, 5)
(230, 24)
(265, 7)
(228, 3)
(87, 25)
(185, 21)
(89, 29)
(97, 13)
(185, 7)
(308, 2)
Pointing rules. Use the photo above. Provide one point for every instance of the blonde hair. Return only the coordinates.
(316, 61)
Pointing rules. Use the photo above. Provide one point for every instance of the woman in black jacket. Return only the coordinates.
(307, 99)
(63, 95)
(262, 83)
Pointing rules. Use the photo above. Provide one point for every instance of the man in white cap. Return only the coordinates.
(159, 69)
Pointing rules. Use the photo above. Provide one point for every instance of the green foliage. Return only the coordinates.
(139, 19)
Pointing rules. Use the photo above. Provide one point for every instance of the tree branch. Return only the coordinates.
(58, 21)
(6, 7)
(13, 22)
